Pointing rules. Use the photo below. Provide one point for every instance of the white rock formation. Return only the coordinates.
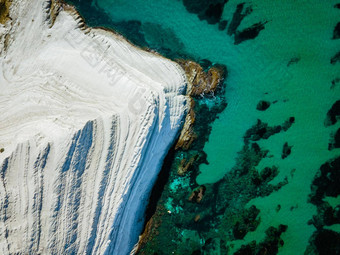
(86, 120)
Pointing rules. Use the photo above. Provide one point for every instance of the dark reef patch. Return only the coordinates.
(333, 114)
(211, 11)
(335, 141)
(293, 61)
(262, 130)
(326, 181)
(286, 150)
(249, 33)
(214, 13)
(244, 222)
(220, 206)
(336, 58)
(269, 246)
(336, 32)
(222, 25)
(324, 242)
(263, 105)
(240, 13)
(335, 82)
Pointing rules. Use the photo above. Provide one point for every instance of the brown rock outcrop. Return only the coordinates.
(186, 164)
(199, 83)
(187, 135)
(4, 10)
(197, 194)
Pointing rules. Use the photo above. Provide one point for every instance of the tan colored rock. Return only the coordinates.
(185, 165)
(197, 194)
(199, 83)
(187, 135)
(4, 10)
(54, 10)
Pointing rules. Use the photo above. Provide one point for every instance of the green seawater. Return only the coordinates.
(288, 64)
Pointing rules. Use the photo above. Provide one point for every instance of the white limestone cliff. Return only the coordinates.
(86, 120)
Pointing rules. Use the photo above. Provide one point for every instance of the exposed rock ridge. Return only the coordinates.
(200, 82)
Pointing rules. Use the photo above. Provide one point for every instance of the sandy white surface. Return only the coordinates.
(86, 120)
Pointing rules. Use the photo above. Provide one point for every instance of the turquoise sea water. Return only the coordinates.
(288, 65)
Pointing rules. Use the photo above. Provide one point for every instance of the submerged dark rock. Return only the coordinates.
(293, 61)
(324, 242)
(336, 32)
(326, 182)
(335, 82)
(336, 58)
(270, 245)
(245, 222)
(335, 143)
(240, 13)
(286, 150)
(263, 105)
(211, 11)
(337, 139)
(214, 12)
(249, 33)
(262, 130)
(333, 114)
(222, 25)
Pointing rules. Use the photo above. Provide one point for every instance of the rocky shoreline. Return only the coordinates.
(203, 85)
